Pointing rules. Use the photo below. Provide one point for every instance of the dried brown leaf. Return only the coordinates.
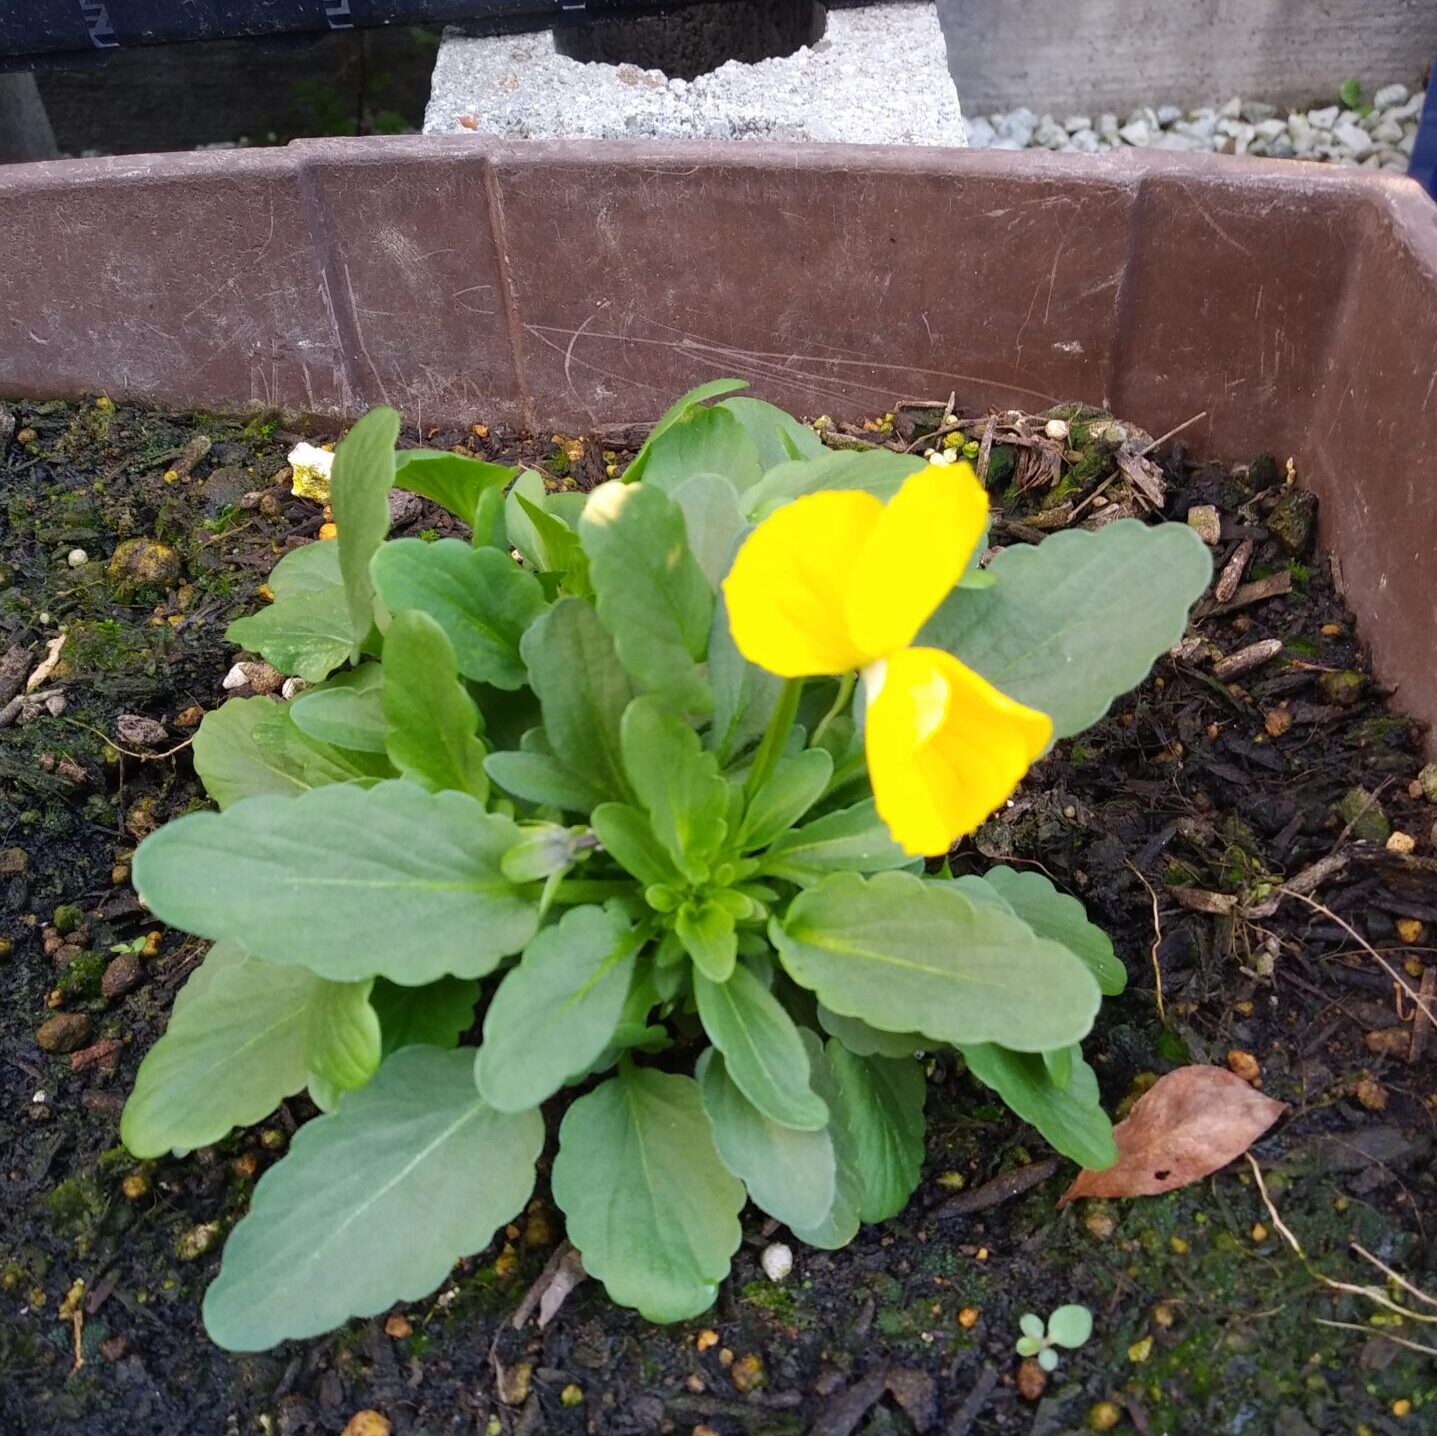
(1189, 1124)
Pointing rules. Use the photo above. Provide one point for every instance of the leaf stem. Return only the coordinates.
(840, 702)
(780, 725)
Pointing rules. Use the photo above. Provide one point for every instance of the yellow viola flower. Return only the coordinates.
(840, 581)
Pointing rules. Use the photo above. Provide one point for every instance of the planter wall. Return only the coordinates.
(563, 286)
(1082, 56)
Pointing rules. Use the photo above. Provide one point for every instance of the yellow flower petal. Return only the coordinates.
(914, 556)
(945, 748)
(785, 591)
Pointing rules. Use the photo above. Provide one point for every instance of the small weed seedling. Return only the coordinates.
(1069, 1326)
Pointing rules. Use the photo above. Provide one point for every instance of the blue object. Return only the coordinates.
(1423, 165)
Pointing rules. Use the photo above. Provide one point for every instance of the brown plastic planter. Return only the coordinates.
(558, 286)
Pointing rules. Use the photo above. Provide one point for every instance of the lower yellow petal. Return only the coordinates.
(785, 590)
(915, 554)
(945, 748)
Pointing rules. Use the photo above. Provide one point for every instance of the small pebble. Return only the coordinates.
(65, 1032)
(747, 1373)
(1401, 843)
(1056, 429)
(1032, 1380)
(77, 558)
(1372, 1094)
(368, 1423)
(777, 1261)
(1206, 522)
(1104, 1416)
(398, 1327)
(706, 1339)
(1409, 929)
(1244, 1065)
(123, 974)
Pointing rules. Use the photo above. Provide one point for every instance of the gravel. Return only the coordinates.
(519, 86)
(1378, 136)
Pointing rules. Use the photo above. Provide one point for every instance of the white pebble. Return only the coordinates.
(1389, 95)
(1325, 118)
(292, 687)
(1056, 429)
(78, 557)
(777, 1261)
(1354, 139)
(1074, 123)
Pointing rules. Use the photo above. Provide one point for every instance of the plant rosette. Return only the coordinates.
(641, 782)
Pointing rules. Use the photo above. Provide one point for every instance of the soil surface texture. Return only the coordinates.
(1249, 825)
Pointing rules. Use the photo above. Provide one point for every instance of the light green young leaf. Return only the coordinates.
(880, 1107)
(1070, 1326)
(880, 472)
(677, 783)
(554, 1013)
(707, 933)
(583, 692)
(1070, 1117)
(744, 694)
(309, 634)
(1059, 1064)
(345, 712)
(450, 480)
(232, 765)
(776, 437)
(317, 763)
(650, 592)
(628, 837)
(910, 956)
(761, 1047)
(541, 779)
(560, 552)
(700, 441)
(519, 526)
(795, 786)
(342, 1043)
(374, 1204)
(480, 597)
(841, 1224)
(1073, 623)
(1053, 914)
(432, 719)
(437, 1014)
(713, 522)
(789, 1174)
(851, 840)
(348, 882)
(713, 389)
(359, 496)
(651, 1208)
(310, 568)
(233, 1051)
(865, 1041)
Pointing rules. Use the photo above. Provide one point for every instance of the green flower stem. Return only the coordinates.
(840, 702)
(580, 890)
(780, 725)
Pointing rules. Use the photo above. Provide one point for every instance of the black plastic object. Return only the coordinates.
(39, 30)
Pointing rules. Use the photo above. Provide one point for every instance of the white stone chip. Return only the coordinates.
(777, 1261)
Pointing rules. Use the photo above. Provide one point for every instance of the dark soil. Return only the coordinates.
(1210, 793)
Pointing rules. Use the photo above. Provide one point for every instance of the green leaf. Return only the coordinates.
(1059, 1064)
(706, 930)
(317, 763)
(677, 782)
(795, 786)
(699, 441)
(1028, 1345)
(650, 592)
(583, 692)
(519, 527)
(437, 1014)
(850, 840)
(789, 1174)
(865, 1041)
(1070, 1326)
(342, 1043)
(233, 1051)
(310, 634)
(1031, 1325)
(761, 1047)
(450, 480)
(1048, 1359)
(540, 778)
(480, 597)
(910, 956)
(651, 1208)
(374, 1204)
(232, 765)
(432, 719)
(628, 838)
(744, 694)
(1071, 1117)
(713, 522)
(349, 882)
(880, 472)
(1053, 914)
(359, 495)
(880, 1106)
(776, 437)
(842, 1221)
(310, 568)
(554, 1013)
(713, 389)
(1073, 623)
(345, 712)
